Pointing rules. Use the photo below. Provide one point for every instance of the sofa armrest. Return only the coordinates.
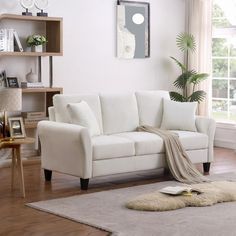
(207, 126)
(51, 113)
(66, 148)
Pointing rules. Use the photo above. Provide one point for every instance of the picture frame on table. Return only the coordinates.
(16, 127)
(12, 82)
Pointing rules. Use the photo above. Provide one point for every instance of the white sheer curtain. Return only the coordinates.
(199, 24)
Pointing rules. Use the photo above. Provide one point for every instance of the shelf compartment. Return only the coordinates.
(51, 26)
(38, 99)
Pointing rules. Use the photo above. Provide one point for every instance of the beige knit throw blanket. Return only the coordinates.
(178, 161)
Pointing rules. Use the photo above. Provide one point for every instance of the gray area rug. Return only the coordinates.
(106, 210)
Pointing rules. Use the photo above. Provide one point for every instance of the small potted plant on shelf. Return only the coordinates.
(36, 42)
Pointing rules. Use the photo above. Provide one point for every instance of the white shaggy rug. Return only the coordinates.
(212, 193)
(106, 210)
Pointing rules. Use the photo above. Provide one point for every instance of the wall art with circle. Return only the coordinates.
(133, 29)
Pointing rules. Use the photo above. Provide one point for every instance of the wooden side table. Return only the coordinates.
(15, 145)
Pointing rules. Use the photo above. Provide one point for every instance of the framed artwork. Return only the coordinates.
(133, 29)
(12, 82)
(16, 126)
(3, 79)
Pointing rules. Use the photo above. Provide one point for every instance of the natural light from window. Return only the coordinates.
(224, 60)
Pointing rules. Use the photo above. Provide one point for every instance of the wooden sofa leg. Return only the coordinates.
(47, 175)
(206, 167)
(84, 184)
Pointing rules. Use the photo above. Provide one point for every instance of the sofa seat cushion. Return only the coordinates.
(192, 140)
(149, 143)
(145, 143)
(111, 146)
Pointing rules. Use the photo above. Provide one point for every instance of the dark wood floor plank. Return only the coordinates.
(18, 219)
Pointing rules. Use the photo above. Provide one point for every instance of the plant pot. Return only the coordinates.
(38, 48)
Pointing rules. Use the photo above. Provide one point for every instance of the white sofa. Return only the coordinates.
(70, 149)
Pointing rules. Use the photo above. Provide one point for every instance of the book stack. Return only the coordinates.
(9, 41)
(33, 117)
(31, 85)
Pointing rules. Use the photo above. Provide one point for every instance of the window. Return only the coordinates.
(224, 60)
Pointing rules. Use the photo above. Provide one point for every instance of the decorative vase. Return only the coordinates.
(38, 48)
(31, 77)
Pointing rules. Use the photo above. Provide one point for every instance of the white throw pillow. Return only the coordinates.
(178, 115)
(81, 114)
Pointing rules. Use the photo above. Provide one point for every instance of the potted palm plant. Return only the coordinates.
(36, 42)
(188, 80)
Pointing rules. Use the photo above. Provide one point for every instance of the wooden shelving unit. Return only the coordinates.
(45, 94)
(42, 90)
(29, 18)
(36, 99)
(53, 27)
(30, 54)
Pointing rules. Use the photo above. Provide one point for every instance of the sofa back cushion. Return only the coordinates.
(60, 102)
(119, 112)
(150, 106)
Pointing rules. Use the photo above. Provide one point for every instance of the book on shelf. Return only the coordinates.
(180, 190)
(31, 85)
(3, 40)
(28, 121)
(7, 40)
(17, 41)
(33, 120)
(33, 114)
(10, 40)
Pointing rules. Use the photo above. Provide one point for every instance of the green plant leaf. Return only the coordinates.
(177, 97)
(183, 79)
(197, 78)
(197, 96)
(35, 40)
(186, 42)
(182, 66)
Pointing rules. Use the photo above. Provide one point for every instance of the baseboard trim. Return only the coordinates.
(224, 144)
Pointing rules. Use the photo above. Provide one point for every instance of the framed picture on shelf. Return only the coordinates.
(16, 126)
(12, 82)
(3, 78)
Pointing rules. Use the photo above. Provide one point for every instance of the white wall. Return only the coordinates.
(89, 63)
(225, 135)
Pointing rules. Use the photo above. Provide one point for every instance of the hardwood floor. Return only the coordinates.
(18, 219)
